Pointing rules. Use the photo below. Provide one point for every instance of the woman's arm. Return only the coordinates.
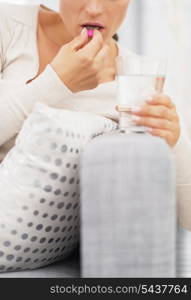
(64, 76)
(17, 102)
(182, 155)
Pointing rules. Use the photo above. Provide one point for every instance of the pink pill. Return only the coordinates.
(90, 32)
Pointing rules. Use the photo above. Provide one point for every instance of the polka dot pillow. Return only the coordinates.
(39, 183)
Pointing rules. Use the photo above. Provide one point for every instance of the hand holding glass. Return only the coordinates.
(137, 78)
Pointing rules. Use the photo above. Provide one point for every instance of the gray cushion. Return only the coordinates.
(128, 207)
(69, 268)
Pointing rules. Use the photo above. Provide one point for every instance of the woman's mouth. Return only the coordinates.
(93, 26)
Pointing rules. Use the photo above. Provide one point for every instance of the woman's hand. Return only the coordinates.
(160, 118)
(80, 63)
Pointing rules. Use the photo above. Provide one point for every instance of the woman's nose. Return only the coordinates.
(94, 7)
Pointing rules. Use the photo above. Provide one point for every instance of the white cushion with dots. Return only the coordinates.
(39, 184)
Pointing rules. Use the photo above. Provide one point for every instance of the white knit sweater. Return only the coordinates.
(19, 62)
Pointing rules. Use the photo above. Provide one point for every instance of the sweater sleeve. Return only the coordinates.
(182, 155)
(16, 104)
(17, 100)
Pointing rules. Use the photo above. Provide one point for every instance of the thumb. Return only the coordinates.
(79, 41)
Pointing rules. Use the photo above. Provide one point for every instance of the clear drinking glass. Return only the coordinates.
(137, 78)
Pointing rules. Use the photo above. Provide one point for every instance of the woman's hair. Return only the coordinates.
(116, 37)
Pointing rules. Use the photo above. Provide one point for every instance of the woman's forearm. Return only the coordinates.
(17, 104)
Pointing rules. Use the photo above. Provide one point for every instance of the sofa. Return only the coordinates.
(127, 212)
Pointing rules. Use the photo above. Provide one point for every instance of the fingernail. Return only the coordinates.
(83, 31)
(136, 109)
(149, 129)
(149, 98)
(136, 118)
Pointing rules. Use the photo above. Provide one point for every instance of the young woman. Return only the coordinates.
(47, 56)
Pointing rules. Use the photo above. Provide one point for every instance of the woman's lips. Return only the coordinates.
(93, 27)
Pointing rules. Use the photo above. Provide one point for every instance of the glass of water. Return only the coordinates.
(137, 78)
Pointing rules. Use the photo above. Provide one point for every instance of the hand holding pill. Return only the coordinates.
(79, 64)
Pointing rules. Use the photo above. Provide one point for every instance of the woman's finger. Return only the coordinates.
(164, 134)
(157, 99)
(91, 49)
(160, 99)
(153, 122)
(158, 111)
(122, 109)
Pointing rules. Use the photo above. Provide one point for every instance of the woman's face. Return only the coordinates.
(107, 13)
